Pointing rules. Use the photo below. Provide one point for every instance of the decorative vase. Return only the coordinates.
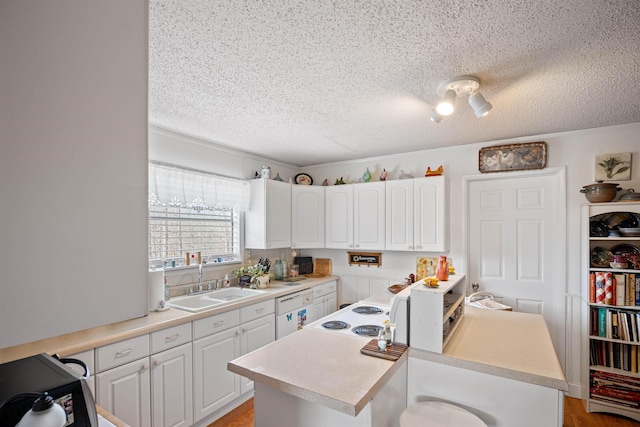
(442, 269)
(244, 280)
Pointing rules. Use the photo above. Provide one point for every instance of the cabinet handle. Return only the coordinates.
(237, 332)
(218, 323)
(144, 367)
(259, 310)
(172, 338)
(124, 353)
(268, 245)
(156, 363)
(244, 330)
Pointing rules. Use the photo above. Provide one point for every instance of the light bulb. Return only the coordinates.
(445, 106)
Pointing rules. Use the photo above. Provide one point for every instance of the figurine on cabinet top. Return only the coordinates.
(367, 176)
(383, 175)
(339, 181)
(435, 172)
(325, 182)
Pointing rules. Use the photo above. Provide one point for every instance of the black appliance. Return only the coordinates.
(43, 373)
(305, 264)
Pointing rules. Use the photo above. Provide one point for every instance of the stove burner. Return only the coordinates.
(367, 309)
(367, 330)
(336, 324)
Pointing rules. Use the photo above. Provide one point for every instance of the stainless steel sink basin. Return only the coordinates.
(195, 303)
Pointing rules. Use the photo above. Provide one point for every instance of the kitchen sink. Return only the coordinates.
(195, 303)
(230, 294)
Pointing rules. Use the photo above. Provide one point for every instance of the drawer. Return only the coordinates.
(170, 337)
(325, 289)
(87, 357)
(217, 323)
(122, 352)
(257, 310)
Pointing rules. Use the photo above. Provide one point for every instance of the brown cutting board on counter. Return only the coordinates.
(321, 267)
(393, 352)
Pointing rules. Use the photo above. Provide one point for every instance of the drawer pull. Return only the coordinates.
(260, 310)
(172, 338)
(124, 353)
(144, 367)
(218, 323)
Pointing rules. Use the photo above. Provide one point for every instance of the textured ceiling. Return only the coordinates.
(316, 81)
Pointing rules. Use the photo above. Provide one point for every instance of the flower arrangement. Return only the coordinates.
(254, 271)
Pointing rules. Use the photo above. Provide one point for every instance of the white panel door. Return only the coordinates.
(307, 216)
(255, 334)
(515, 233)
(399, 215)
(368, 216)
(125, 392)
(172, 387)
(339, 216)
(213, 385)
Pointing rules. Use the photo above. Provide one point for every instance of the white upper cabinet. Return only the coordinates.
(355, 216)
(399, 215)
(431, 221)
(339, 217)
(417, 215)
(268, 221)
(307, 216)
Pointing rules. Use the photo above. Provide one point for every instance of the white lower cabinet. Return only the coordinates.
(325, 300)
(125, 392)
(213, 385)
(254, 335)
(171, 387)
(246, 330)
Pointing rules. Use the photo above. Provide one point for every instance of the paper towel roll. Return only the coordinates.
(156, 288)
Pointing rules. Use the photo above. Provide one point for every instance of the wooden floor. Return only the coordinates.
(574, 416)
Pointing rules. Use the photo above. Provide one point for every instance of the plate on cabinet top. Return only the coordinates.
(303, 179)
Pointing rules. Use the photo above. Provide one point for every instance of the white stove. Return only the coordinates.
(359, 320)
(386, 306)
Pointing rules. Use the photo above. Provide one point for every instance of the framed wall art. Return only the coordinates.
(613, 167)
(513, 157)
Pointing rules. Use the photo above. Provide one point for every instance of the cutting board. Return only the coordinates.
(321, 267)
(393, 352)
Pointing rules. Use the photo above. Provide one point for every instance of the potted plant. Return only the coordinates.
(256, 274)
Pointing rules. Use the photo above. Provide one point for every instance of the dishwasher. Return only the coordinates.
(293, 311)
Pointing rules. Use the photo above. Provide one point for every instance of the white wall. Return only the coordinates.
(575, 150)
(73, 162)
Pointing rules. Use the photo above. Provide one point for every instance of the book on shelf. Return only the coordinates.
(615, 355)
(619, 289)
(615, 323)
(615, 388)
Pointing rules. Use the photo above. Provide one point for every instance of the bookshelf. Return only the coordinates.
(613, 312)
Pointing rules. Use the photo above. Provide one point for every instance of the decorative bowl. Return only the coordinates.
(600, 192)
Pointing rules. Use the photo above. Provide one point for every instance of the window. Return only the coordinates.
(192, 211)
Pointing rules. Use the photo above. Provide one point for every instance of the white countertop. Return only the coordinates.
(330, 370)
(321, 367)
(504, 343)
(76, 342)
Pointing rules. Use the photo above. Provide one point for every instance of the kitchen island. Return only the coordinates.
(499, 365)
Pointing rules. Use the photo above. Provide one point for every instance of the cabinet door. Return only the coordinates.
(431, 227)
(339, 217)
(125, 392)
(368, 216)
(307, 216)
(254, 335)
(331, 303)
(399, 215)
(278, 214)
(213, 385)
(268, 221)
(172, 387)
(318, 310)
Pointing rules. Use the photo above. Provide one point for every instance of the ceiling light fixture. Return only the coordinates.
(434, 116)
(448, 90)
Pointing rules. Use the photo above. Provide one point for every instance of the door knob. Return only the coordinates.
(475, 286)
